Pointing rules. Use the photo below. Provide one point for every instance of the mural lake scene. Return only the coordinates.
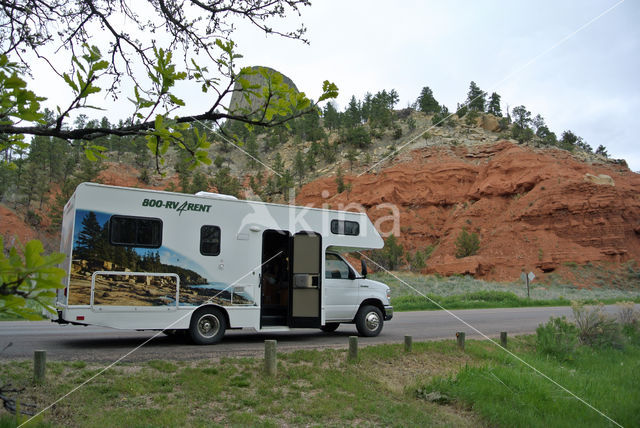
(131, 283)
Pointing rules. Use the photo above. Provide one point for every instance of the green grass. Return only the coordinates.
(312, 388)
(465, 292)
(385, 387)
(507, 393)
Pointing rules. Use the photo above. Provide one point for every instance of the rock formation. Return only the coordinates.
(533, 208)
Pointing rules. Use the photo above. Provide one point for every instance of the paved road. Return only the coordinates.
(103, 344)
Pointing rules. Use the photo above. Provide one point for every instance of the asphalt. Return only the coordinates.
(106, 345)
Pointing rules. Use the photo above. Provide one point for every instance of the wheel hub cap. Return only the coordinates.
(208, 326)
(372, 321)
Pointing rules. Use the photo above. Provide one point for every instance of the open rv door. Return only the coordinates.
(306, 272)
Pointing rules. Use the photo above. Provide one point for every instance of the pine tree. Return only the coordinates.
(340, 181)
(494, 105)
(351, 156)
(476, 98)
(602, 151)
(467, 244)
(331, 116)
(86, 243)
(426, 101)
(299, 167)
(353, 114)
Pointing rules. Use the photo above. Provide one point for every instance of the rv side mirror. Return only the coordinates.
(363, 268)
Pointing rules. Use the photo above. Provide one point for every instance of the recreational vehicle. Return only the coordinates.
(154, 260)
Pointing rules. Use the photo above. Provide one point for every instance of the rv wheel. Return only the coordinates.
(369, 321)
(207, 326)
(330, 327)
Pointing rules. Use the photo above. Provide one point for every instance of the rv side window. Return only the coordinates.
(135, 231)
(335, 267)
(345, 227)
(210, 240)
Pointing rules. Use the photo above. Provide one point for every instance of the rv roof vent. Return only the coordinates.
(216, 196)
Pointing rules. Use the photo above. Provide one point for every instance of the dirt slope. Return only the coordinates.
(533, 208)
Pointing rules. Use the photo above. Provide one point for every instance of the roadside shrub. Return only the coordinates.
(558, 338)
(627, 314)
(595, 327)
(467, 244)
(391, 256)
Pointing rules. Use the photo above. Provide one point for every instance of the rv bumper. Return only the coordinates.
(388, 312)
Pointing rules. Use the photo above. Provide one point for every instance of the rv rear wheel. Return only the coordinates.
(207, 326)
(369, 321)
(330, 327)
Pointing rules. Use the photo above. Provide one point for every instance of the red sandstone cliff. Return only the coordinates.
(533, 208)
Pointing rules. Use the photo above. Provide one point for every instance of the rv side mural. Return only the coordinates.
(142, 276)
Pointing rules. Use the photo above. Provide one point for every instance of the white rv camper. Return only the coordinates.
(142, 259)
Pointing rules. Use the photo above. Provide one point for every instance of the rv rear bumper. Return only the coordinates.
(388, 312)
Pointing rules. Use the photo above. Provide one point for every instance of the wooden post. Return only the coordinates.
(270, 362)
(353, 348)
(503, 339)
(39, 366)
(460, 337)
(408, 342)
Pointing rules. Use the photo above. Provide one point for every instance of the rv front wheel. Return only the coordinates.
(207, 326)
(369, 321)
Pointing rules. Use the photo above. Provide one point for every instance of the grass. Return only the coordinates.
(312, 387)
(506, 393)
(385, 387)
(465, 292)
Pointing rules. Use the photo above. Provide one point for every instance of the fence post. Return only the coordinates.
(353, 348)
(39, 366)
(270, 363)
(408, 343)
(503, 339)
(460, 336)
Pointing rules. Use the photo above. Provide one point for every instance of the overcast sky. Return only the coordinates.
(588, 83)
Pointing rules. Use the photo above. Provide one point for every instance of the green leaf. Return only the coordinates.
(176, 100)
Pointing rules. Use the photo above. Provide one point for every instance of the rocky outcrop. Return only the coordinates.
(239, 103)
(533, 208)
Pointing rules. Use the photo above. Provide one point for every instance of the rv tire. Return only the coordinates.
(207, 326)
(369, 321)
(330, 327)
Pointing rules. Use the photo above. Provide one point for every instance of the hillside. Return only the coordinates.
(533, 209)
(534, 206)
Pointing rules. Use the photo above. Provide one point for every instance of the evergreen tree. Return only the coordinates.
(353, 115)
(521, 117)
(252, 149)
(299, 166)
(467, 244)
(87, 241)
(351, 156)
(278, 163)
(426, 101)
(331, 116)
(476, 98)
(521, 121)
(602, 151)
(440, 117)
(340, 180)
(199, 183)
(494, 105)
(226, 183)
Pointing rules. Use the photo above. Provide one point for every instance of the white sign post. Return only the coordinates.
(527, 278)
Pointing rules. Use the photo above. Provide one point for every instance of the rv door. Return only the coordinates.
(306, 275)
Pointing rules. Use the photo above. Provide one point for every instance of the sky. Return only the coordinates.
(576, 63)
(566, 60)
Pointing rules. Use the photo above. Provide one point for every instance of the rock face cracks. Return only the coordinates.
(533, 208)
